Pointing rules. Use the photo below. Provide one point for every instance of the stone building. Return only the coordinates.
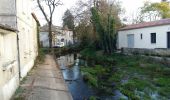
(16, 57)
(61, 36)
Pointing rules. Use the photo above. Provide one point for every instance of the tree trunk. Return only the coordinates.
(50, 34)
(51, 38)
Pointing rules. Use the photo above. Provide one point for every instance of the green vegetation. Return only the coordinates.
(67, 49)
(92, 74)
(96, 23)
(137, 77)
(93, 98)
(41, 54)
(19, 94)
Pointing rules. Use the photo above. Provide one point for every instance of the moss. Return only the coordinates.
(93, 98)
(162, 82)
(144, 76)
(19, 98)
(130, 94)
(18, 94)
(164, 91)
(88, 53)
(91, 79)
(41, 54)
(92, 74)
(116, 77)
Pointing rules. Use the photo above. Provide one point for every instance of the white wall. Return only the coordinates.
(69, 36)
(9, 77)
(161, 37)
(8, 12)
(66, 35)
(27, 27)
(27, 35)
(44, 39)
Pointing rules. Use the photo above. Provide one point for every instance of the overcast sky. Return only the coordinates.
(130, 7)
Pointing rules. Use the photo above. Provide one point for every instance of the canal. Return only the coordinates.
(70, 66)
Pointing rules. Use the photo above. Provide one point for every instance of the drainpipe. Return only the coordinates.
(19, 63)
(18, 51)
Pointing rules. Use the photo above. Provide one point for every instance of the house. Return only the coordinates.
(150, 35)
(60, 36)
(18, 44)
(9, 78)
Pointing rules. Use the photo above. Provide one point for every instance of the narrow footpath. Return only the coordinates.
(45, 82)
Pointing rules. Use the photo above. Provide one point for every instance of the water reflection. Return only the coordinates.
(71, 72)
(70, 66)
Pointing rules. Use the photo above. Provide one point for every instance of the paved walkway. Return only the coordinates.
(46, 82)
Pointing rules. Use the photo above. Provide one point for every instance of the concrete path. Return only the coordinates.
(46, 82)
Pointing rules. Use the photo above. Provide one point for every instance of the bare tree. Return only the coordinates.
(51, 6)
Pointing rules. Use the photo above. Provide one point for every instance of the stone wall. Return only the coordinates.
(158, 55)
(9, 77)
(150, 52)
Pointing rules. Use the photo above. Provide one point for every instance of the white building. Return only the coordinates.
(61, 37)
(16, 15)
(155, 34)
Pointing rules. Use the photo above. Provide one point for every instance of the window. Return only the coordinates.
(141, 36)
(153, 37)
(62, 40)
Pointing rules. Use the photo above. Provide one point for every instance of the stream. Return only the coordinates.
(70, 66)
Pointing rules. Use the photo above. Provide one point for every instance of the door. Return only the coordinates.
(130, 40)
(168, 39)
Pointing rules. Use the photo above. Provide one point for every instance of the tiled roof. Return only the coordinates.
(146, 24)
(54, 28)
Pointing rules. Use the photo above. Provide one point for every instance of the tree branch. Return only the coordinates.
(42, 10)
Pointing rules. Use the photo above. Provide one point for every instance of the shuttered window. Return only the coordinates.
(153, 37)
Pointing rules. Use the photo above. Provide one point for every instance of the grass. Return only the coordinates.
(92, 74)
(137, 77)
(18, 94)
(41, 54)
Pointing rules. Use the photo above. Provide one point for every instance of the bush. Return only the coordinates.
(41, 54)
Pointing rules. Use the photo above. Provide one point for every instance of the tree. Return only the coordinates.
(105, 19)
(96, 22)
(154, 11)
(83, 26)
(68, 20)
(50, 5)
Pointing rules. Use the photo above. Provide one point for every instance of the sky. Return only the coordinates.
(130, 7)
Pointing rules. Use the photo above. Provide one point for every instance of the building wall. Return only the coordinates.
(44, 40)
(8, 12)
(64, 34)
(27, 27)
(9, 77)
(69, 37)
(145, 42)
(27, 35)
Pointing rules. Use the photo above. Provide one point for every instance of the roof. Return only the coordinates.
(53, 28)
(44, 28)
(147, 24)
(6, 27)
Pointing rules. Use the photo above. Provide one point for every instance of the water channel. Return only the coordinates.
(70, 66)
